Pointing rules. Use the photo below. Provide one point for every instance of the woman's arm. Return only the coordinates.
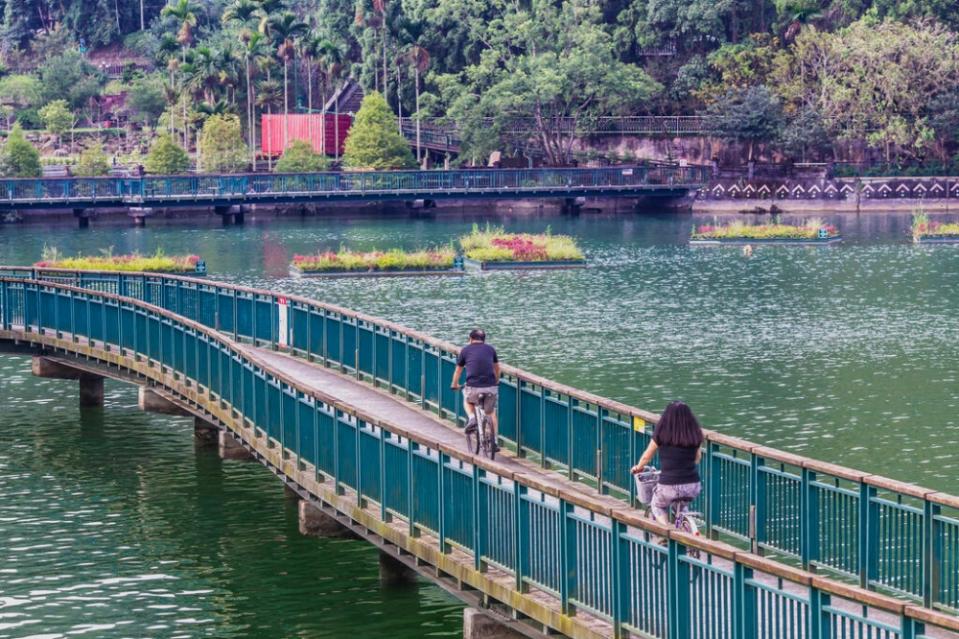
(646, 458)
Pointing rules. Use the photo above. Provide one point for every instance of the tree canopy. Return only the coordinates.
(373, 141)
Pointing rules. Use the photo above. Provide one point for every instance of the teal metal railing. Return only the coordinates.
(886, 534)
(155, 189)
(592, 558)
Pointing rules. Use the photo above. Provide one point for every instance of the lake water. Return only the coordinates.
(113, 525)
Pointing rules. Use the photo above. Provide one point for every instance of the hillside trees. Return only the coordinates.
(554, 64)
(873, 81)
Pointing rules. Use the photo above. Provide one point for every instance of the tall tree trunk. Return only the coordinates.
(399, 99)
(419, 156)
(323, 119)
(251, 133)
(286, 104)
(142, 21)
(386, 79)
(336, 130)
(309, 98)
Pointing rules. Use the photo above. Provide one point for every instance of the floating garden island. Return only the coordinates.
(494, 249)
(392, 262)
(812, 231)
(157, 263)
(926, 231)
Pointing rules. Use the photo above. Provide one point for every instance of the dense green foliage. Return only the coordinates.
(19, 158)
(221, 145)
(300, 157)
(92, 162)
(828, 78)
(57, 117)
(166, 157)
(374, 142)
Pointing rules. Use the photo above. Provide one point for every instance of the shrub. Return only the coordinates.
(92, 162)
(222, 149)
(57, 117)
(373, 141)
(300, 157)
(166, 157)
(20, 158)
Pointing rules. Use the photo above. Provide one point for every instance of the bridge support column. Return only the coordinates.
(230, 447)
(140, 215)
(91, 391)
(91, 386)
(205, 433)
(83, 217)
(316, 523)
(151, 401)
(394, 572)
(479, 625)
(231, 214)
(573, 205)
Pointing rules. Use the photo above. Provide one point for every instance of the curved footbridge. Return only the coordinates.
(355, 415)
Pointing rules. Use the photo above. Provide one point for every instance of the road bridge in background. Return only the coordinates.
(355, 415)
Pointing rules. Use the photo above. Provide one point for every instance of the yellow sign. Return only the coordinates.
(639, 424)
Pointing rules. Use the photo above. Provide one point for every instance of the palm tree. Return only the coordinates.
(286, 29)
(254, 46)
(379, 6)
(331, 60)
(419, 59)
(184, 11)
(243, 13)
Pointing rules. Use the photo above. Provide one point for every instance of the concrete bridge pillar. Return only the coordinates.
(231, 214)
(91, 386)
(394, 572)
(205, 433)
(83, 217)
(151, 401)
(316, 523)
(479, 625)
(140, 215)
(230, 447)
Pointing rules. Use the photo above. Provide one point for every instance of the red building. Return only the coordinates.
(319, 129)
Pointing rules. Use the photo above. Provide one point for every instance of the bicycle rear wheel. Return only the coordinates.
(473, 440)
(489, 443)
(687, 525)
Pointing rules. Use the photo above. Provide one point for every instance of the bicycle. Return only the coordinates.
(480, 435)
(679, 514)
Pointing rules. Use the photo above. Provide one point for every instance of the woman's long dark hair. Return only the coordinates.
(678, 426)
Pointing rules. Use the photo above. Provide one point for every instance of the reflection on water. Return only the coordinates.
(111, 523)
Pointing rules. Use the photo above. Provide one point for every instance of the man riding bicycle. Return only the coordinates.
(482, 378)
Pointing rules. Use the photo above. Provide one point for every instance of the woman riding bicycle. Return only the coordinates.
(678, 438)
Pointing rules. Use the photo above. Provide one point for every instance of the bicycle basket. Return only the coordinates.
(646, 483)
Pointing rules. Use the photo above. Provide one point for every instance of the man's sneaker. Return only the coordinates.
(471, 425)
(495, 447)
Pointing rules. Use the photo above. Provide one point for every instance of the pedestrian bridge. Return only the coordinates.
(355, 414)
(278, 188)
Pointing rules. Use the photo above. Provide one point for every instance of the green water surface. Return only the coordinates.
(112, 525)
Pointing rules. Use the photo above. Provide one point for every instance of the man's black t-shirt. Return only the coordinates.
(478, 360)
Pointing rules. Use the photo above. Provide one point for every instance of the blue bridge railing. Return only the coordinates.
(271, 186)
(888, 535)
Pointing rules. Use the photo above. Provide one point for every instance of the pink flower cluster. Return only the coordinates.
(523, 249)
